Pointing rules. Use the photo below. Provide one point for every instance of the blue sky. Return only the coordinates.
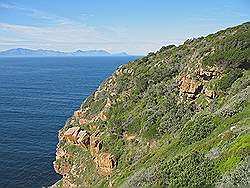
(133, 26)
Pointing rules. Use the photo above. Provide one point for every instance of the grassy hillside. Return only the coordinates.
(178, 117)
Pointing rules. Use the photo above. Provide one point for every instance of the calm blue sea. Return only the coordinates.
(37, 95)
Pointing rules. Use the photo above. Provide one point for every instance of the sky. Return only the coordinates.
(132, 26)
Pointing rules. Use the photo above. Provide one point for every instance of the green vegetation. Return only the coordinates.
(228, 79)
(192, 170)
(198, 129)
(163, 138)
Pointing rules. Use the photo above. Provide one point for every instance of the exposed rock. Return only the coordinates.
(113, 94)
(74, 171)
(191, 87)
(108, 104)
(83, 121)
(61, 168)
(210, 93)
(83, 139)
(95, 144)
(96, 94)
(105, 162)
(71, 134)
(184, 85)
(77, 114)
(210, 73)
(60, 153)
(72, 121)
(68, 184)
(119, 72)
(102, 116)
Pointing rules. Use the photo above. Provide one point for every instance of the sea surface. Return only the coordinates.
(37, 95)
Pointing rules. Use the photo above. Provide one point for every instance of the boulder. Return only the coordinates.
(213, 153)
(119, 72)
(71, 134)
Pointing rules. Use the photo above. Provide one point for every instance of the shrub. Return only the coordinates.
(228, 79)
(192, 170)
(235, 104)
(197, 129)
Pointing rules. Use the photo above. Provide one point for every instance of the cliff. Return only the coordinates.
(178, 117)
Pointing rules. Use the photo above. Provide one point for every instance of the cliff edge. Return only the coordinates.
(175, 118)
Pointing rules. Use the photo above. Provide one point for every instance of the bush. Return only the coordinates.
(192, 170)
(197, 129)
(228, 79)
(235, 104)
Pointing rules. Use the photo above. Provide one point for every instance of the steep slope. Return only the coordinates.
(178, 117)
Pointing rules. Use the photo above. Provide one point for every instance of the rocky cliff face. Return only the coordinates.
(178, 117)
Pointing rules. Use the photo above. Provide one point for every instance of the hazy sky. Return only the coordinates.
(133, 26)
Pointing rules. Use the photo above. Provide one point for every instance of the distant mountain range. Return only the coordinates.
(22, 52)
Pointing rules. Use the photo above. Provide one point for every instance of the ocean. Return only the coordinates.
(37, 95)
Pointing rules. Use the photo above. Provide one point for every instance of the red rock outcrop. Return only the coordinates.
(83, 139)
(71, 134)
(95, 144)
(184, 85)
(193, 88)
(105, 162)
(101, 116)
(188, 86)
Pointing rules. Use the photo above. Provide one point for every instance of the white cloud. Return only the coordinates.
(6, 6)
(56, 33)
(69, 37)
(36, 14)
(65, 34)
